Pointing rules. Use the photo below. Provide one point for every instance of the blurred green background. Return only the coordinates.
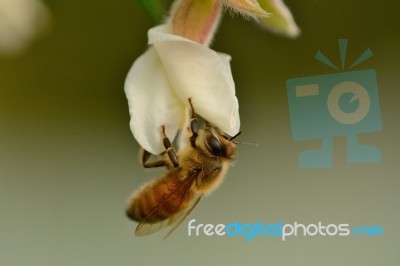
(68, 161)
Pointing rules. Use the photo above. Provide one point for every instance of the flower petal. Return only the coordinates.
(281, 20)
(152, 103)
(247, 8)
(196, 20)
(198, 72)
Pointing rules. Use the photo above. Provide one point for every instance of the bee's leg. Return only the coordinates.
(169, 150)
(146, 156)
(193, 124)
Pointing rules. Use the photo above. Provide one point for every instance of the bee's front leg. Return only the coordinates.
(145, 155)
(169, 149)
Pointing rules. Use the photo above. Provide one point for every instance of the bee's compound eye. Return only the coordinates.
(214, 146)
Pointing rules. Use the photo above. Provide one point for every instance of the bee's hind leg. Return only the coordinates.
(193, 124)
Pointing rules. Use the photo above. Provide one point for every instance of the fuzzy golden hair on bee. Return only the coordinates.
(195, 171)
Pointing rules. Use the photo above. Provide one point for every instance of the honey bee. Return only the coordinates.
(193, 172)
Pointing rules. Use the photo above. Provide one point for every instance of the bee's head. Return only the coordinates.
(218, 143)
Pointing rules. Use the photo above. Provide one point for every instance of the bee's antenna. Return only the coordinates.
(241, 142)
(245, 143)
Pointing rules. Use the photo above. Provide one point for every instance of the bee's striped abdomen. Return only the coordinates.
(159, 200)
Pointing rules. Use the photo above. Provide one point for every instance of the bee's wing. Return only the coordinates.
(145, 228)
(182, 217)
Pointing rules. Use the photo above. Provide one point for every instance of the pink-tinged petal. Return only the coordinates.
(247, 8)
(281, 20)
(152, 103)
(195, 20)
(198, 72)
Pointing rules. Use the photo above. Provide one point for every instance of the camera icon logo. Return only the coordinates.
(339, 104)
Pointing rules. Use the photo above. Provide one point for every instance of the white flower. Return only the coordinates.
(178, 65)
(172, 70)
(20, 20)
